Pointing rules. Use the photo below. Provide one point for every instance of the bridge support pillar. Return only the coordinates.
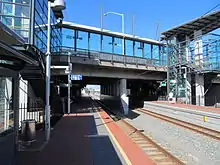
(123, 95)
(200, 100)
(118, 88)
(115, 89)
(110, 89)
(188, 89)
(102, 89)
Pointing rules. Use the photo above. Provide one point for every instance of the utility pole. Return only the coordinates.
(69, 82)
(48, 63)
(158, 31)
(102, 14)
(133, 25)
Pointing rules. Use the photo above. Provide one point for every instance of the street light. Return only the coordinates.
(57, 5)
(123, 28)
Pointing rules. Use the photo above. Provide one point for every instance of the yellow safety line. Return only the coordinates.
(116, 142)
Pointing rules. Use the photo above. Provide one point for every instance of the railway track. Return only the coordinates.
(196, 128)
(157, 153)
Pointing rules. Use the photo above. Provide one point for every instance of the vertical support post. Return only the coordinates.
(69, 82)
(142, 47)
(110, 89)
(101, 43)
(32, 16)
(123, 28)
(133, 48)
(113, 45)
(199, 61)
(124, 53)
(75, 40)
(159, 55)
(101, 17)
(133, 26)
(89, 44)
(168, 70)
(16, 110)
(48, 63)
(200, 90)
(123, 95)
(151, 53)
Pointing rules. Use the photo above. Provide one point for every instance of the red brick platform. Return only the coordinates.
(71, 144)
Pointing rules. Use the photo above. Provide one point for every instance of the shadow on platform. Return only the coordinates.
(132, 115)
(83, 106)
(74, 140)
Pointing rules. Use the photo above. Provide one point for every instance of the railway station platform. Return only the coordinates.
(87, 136)
(190, 106)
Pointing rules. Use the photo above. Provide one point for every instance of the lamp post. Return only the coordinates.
(57, 5)
(123, 28)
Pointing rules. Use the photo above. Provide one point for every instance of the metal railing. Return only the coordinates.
(110, 57)
(33, 110)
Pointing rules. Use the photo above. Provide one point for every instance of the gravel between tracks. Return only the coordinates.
(193, 148)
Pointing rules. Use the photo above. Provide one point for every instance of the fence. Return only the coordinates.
(112, 57)
(33, 110)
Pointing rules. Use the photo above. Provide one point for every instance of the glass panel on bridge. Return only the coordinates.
(107, 44)
(147, 51)
(68, 38)
(113, 45)
(155, 55)
(118, 44)
(138, 49)
(95, 42)
(163, 60)
(129, 48)
(82, 40)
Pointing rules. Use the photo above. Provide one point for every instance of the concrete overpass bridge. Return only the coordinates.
(116, 61)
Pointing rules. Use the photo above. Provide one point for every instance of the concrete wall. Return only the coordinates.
(111, 72)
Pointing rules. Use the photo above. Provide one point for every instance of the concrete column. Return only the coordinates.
(118, 88)
(104, 89)
(188, 53)
(115, 89)
(123, 95)
(16, 109)
(101, 89)
(198, 48)
(200, 90)
(110, 89)
(188, 89)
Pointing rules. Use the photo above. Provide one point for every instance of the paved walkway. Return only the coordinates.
(90, 138)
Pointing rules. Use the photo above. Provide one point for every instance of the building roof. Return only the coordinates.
(9, 36)
(8, 53)
(206, 23)
(70, 25)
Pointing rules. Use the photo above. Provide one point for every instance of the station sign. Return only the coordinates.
(75, 77)
(163, 84)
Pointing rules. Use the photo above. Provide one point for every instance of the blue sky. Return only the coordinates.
(148, 13)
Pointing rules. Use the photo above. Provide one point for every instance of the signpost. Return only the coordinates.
(75, 77)
(163, 84)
